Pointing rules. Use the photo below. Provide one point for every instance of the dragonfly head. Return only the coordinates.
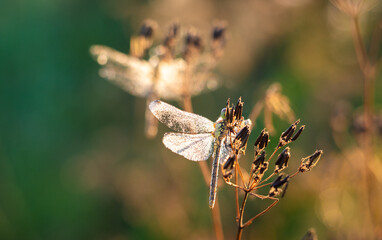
(223, 113)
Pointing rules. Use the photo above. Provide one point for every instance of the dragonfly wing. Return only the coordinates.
(170, 79)
(132, 74)
(179, 120)
(225, 150)
(203, 77)
(195, 147)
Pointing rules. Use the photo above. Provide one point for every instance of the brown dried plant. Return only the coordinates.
(249, 182)
(273, 102)
(365, 122)
(198, 138)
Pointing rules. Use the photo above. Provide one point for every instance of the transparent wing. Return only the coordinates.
(203, 77)
(179, 120)
(225, 150)
(170, 79)
(132, 74)
(195, 147)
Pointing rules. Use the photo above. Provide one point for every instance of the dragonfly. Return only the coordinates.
(197, 138)
(162, 75)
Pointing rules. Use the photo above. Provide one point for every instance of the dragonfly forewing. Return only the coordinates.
(195, 147)
(132, 74)
(179, 120)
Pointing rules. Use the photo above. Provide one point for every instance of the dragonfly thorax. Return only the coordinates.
(221, 128)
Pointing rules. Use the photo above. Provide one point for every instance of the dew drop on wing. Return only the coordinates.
(195, 147)
(179, 120)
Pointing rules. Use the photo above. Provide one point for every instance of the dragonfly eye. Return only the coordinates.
(223, 112)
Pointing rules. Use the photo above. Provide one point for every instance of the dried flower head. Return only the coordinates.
(311, 161)
(260, 165)
(287, 136)
(139, 44)
(277, 103)
(354, 8)
(279, 186)
(282, 160)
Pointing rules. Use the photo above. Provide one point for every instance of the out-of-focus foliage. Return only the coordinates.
(75, 164)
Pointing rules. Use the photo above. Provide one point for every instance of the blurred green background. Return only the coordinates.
(74, 162)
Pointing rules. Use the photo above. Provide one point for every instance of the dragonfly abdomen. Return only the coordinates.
(214, 176)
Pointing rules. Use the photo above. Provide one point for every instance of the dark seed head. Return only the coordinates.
(259, 161)
(218, 32)
(170, 38)
(315, 157)
(282, 160)
(147, 29)
(259, 138)
(264, 168)
(289, 132)
(241, 138)
(298, 133)
(264, 141)
(279, 186)
(228, 165)
(311, 161)
(239, 109)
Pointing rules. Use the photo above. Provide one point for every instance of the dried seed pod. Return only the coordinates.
(298, 133)
(264, 141)
(279, 186)
(241, 138)
(262, 170)
(147, 29)
(170, 39)
(257, 142)
(239, 109)
(259, 161)
(282, 160)
(218, 39)
(311, 161)
(193, 46)
(287, 134)
(139, 44)
(218, 32)
(289, 129)
(227, 112)
(229, 164)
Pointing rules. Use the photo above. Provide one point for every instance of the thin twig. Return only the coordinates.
(368, 102)
(240, 224)
(237, 192)
(264, 211)
(255, 112)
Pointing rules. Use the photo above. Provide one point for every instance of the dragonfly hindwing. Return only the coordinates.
(195, 147)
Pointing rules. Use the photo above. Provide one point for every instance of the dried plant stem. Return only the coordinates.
(255, 112)
(240, 226)
(367, 138)
(275, 201)
(237, 193)
(215, 212)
